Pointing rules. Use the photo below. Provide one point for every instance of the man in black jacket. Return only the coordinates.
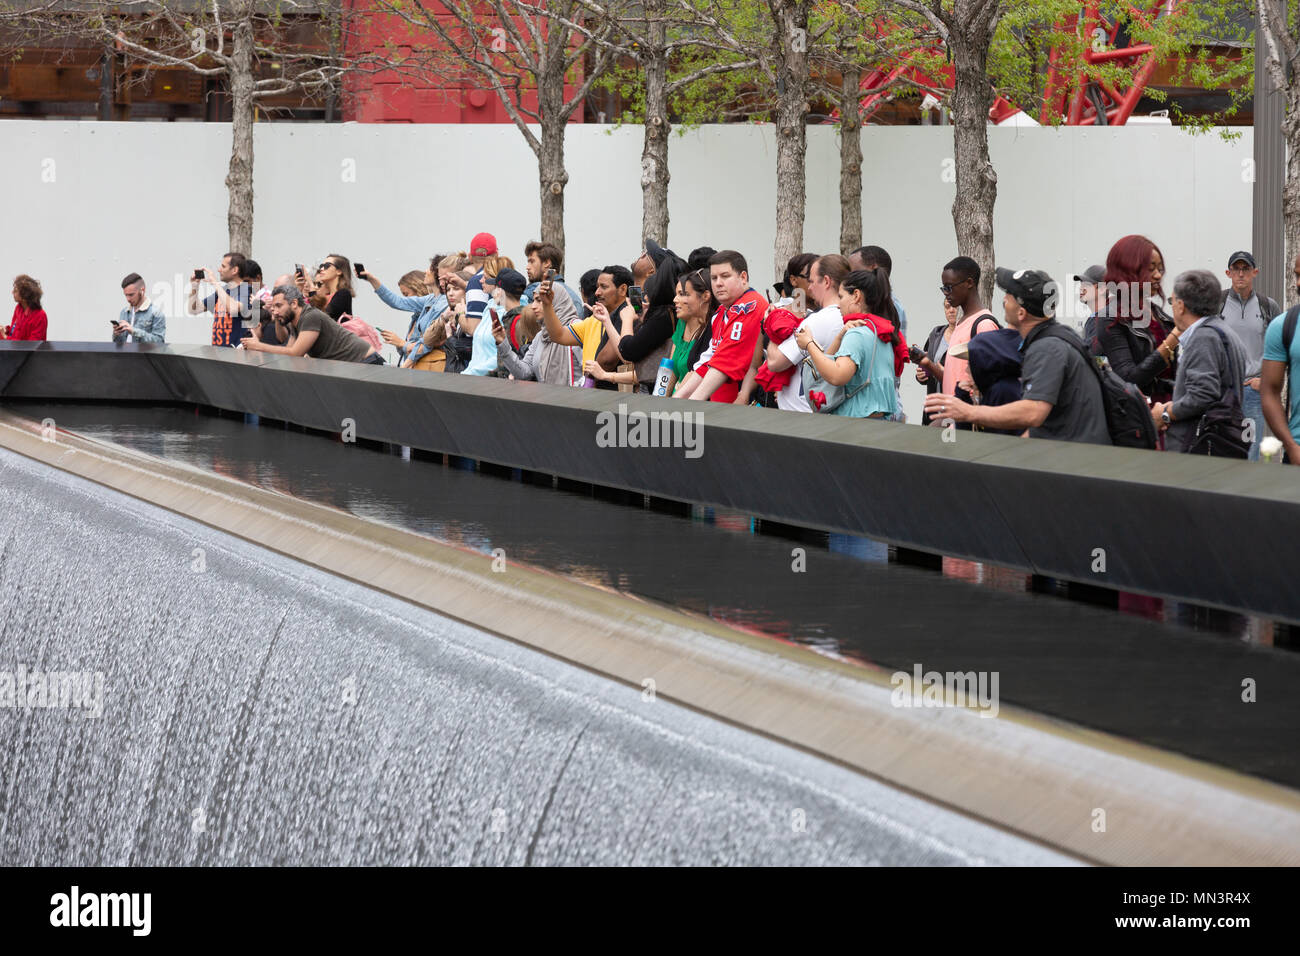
(1248, 314)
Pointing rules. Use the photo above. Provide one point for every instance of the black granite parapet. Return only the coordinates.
(1208, 531)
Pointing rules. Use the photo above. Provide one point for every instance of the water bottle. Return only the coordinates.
(665, 378)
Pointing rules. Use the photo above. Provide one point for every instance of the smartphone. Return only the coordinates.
(299, 269)
(198, 274)
(636, 296)
(915, 353)
(548, 275)
(115, 322)
(359, 269)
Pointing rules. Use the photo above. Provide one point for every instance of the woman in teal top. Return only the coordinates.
(868, 353)
(694, 305)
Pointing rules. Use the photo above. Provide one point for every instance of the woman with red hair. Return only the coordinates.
(29, 321)
(1132, 330)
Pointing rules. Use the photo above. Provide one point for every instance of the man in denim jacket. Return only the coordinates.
(142, 320)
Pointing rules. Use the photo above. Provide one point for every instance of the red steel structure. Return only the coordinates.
(1095, 102)
(1070, 97)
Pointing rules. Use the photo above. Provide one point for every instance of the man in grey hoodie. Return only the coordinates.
(545, 360)
(1248, 313)
(1211, 360)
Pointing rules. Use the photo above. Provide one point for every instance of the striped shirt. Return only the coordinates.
(476, 298)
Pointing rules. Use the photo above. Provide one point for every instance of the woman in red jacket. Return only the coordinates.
(29, 322)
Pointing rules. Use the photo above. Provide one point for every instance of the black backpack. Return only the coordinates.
(1128, 417)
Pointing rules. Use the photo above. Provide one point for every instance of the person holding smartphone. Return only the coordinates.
(545, 359)
(483, 348)
(439, 335)
(420, 294)
(592, 334)
(142, 320)
(929, 361)
(229, 303)
(312, 332)
(330, 289)
(506, 325)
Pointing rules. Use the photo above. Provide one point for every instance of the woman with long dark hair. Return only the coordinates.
(1133, 332)
(694, 305)
(331, 289)
(29, 322)
(868, 356)
(647, 340)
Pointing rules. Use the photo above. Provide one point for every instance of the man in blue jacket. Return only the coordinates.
(142, 320)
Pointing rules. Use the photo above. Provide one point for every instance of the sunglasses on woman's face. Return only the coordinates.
(325, 265)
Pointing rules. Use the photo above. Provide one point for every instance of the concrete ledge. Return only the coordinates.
(1037, 777)
(1165, 525)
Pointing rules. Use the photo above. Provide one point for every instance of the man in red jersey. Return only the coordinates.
(736, 329)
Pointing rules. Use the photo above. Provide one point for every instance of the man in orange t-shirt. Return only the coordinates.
(961, 289)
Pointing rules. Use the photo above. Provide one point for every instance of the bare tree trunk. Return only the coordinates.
(239, 180)
(552, 176)
(654, 148)
(791, 132)
(850, 161)
(107, 83)
(977, 181)
(1291, 187)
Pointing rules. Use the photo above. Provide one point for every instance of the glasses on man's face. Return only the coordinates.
(946, 288)
(1240, 270)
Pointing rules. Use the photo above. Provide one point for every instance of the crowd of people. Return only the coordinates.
(1200, 371)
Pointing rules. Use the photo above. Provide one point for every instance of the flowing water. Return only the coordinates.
(251, 710)
(1172, 678)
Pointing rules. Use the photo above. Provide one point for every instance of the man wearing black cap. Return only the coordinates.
(1248, 314)
(1062, 396)
(505, 314)
(1091, 295)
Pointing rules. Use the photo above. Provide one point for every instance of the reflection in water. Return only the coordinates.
(1172, 680)
(446, 498)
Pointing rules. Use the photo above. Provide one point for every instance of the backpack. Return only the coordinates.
(1268, 309)
(959, 392)
(832, 396)
(1219, 431)
(1128, 417)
